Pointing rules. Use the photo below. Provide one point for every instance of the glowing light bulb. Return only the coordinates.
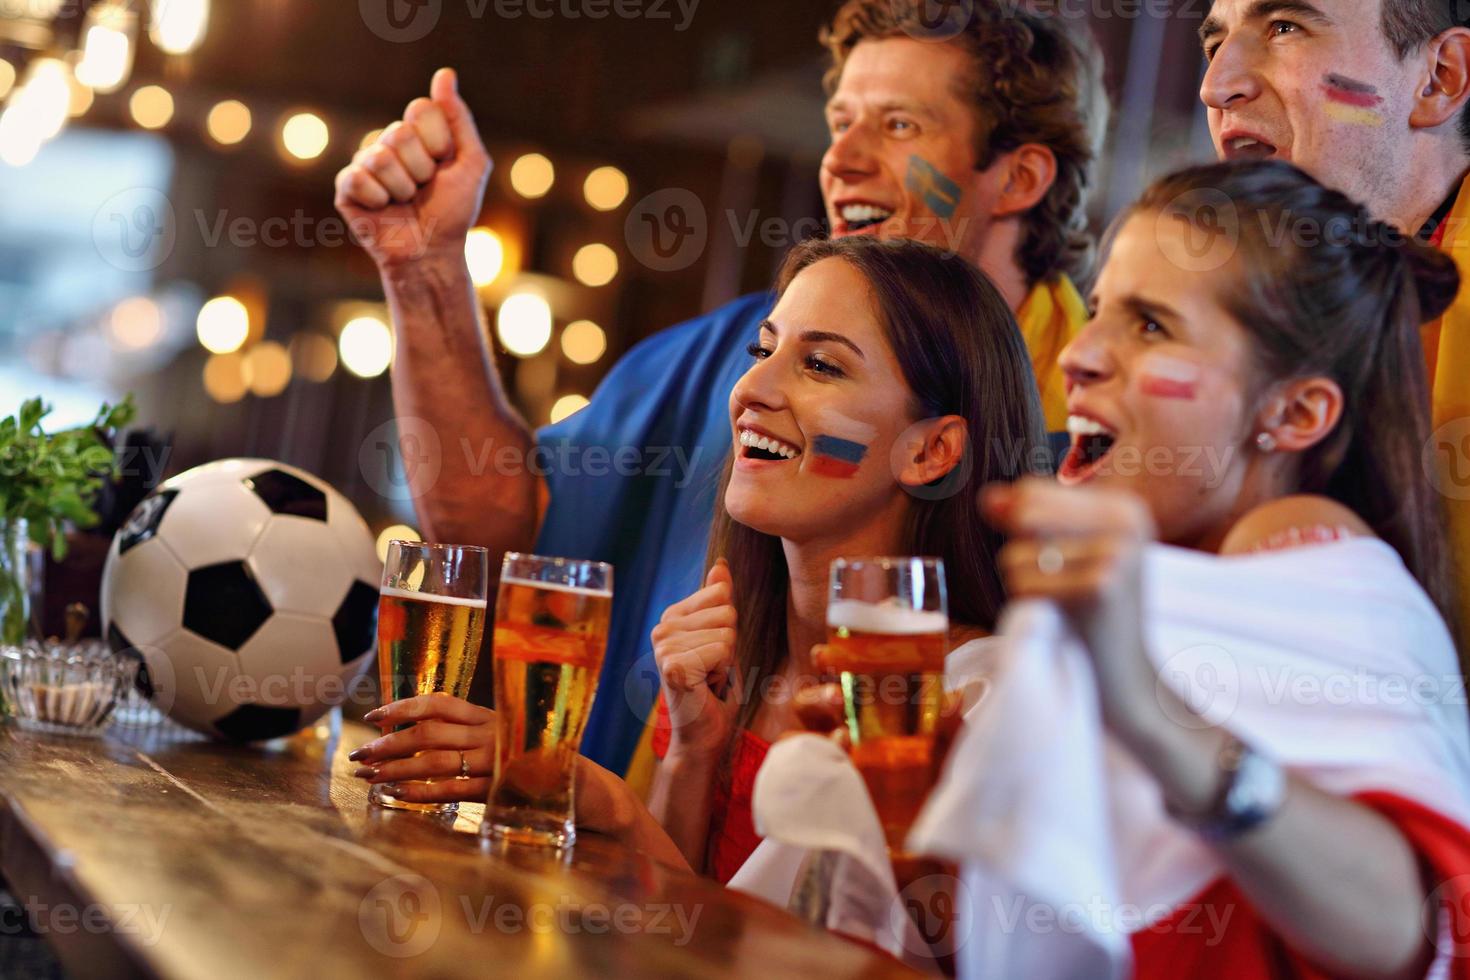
(583, 342)
(305, 136)
(532, 175)
(269, 367)
(178, 26)
(567, 405)
(395, 532)
(524, 324)
(223, 325)
(229, 122)
(366, 346)
(605, 188)
(485, 254)
(152, 107)
(595, 264)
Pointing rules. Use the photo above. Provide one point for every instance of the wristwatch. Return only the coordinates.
(1252, 789)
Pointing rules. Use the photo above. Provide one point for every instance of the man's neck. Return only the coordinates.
(1422, 197)
(996, 257)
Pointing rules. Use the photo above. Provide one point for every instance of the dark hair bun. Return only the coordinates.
(1436, 278)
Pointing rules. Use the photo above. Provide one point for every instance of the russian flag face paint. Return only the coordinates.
(840, 449)
(1163, 376)
(836, 457)
(1351, 101)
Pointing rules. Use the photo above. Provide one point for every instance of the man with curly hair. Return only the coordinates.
(977, 134)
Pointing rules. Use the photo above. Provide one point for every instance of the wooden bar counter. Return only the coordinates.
(158, 853)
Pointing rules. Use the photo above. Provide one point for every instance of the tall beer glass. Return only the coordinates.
(551, 620)
(431, 619)
(887, 637)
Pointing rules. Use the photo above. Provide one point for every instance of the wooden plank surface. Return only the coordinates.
(175, 856)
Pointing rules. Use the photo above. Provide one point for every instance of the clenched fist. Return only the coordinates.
(1082, 548)
(416, 192)
(694, 646)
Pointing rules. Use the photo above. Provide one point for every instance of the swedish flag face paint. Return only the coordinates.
(940, 194)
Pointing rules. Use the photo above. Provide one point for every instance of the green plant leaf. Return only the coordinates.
(50, 480)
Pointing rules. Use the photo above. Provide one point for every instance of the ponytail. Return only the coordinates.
(1385, 426)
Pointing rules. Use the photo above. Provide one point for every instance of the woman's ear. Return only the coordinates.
(1028, 173)
(1302, 414)
(929, 450)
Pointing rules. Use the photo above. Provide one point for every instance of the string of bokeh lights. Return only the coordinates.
(56, 87)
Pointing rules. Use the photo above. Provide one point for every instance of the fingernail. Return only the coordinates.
(373, 715)
(357, 755)
(366, 772)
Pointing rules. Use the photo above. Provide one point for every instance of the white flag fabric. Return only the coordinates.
(809, 798)
(1329, 658)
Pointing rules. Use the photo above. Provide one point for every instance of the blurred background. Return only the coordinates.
(166, 219)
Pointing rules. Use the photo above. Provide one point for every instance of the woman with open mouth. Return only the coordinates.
(1242, 562)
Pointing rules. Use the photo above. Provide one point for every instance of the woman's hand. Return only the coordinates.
(694, 646)
(443, 729)
(821, 710)
(445, 726)
(1082, 548)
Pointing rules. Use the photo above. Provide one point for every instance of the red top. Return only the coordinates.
(1217, 935)
(732, 833)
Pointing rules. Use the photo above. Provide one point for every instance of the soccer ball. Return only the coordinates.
(249, 590)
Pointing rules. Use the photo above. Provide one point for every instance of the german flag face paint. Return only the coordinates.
(1352, 101)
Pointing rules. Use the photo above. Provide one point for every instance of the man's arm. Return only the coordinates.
(444, 373)
(410, 198)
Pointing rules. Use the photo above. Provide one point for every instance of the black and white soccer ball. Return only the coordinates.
(249, 590)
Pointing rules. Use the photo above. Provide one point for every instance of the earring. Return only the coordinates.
(1265, 442)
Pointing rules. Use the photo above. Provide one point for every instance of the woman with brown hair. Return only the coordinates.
(1277, 669)
(888, 384)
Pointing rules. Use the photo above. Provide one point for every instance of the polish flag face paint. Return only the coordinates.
(1169, 377)
(839, 450)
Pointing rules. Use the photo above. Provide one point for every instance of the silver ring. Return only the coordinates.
(1049, 560)
(464, 767)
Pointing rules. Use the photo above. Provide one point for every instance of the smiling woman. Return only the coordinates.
(888, 384)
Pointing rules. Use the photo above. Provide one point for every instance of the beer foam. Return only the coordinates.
(558, 587)
(447, 600)
(891, 620)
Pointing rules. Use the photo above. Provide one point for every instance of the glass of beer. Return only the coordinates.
(431, 619)
(887, 637)
(551, 620)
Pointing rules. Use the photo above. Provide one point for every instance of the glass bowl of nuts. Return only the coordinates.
(64, 688)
